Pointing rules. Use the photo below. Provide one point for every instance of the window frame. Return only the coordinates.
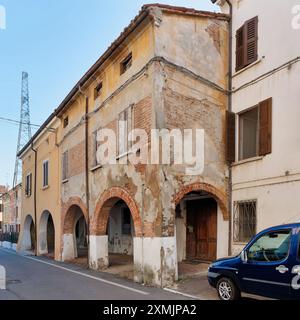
(244, 47)
(65, 169)
(66, 122)
(98, 90)
(129, 123)
(28, 185)
(263, 235)
(240, 138)
(45, 177)
(124, 63)
(236, 217)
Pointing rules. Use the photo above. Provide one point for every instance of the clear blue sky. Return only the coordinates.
(56, 41)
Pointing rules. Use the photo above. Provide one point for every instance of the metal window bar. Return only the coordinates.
(244, 220)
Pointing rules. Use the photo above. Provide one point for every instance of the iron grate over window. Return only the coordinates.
(244, 220)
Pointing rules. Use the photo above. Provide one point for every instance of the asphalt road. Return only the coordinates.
(31, 278)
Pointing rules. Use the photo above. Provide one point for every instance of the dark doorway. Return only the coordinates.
(50, 235)
(81, 238)
(201, 231)
(32, 236)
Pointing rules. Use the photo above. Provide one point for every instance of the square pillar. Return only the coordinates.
(69, 249)
(155, 261)
(99, 252)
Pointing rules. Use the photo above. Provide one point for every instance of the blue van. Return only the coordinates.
(269, 266)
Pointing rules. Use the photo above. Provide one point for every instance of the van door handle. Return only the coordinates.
(282, 269)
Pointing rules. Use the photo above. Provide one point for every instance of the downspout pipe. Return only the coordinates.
(34, 197)
(87, 188)
(230, 65)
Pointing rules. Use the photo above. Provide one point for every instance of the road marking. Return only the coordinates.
(84, 275)
(182, 294)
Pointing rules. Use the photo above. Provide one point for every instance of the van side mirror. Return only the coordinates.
(244, 256)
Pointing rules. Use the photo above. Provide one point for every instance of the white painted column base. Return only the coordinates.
(155, 261)
(99, 252)
(2, 278)
(68, 252)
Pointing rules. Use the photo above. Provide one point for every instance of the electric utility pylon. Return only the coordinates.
(24, 127)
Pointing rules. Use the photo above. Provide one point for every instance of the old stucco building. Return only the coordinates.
(168, 69)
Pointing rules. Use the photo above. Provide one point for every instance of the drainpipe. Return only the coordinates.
(87, 188)
(34, 197)
(230, 110)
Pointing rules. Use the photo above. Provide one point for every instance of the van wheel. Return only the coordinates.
(227, 290)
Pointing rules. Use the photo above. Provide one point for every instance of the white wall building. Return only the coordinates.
(266, 103)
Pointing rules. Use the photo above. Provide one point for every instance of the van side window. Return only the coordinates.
(299, 248)
(272, 246)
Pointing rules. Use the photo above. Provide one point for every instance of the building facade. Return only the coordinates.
(2, 192)
(167, 70)
(11, 203)
(265, 104)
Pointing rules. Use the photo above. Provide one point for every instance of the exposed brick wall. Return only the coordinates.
(77, 159)
(142, 119)
(142, 115)
(104, 205)
(67, 213)
(218, 195)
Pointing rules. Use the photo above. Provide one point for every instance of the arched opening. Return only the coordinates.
(28, 239)
(196, 232)
(115, 228)
(46, 235)
(75, 240)
(120, 233)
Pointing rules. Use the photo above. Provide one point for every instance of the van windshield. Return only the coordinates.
(272, 246)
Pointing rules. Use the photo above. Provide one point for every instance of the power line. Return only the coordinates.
(16, 122)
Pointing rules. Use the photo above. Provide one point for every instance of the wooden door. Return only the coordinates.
(201, 229)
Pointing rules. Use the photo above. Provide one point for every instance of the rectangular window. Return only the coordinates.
(46, 173)
(65, 161)
(28, 185)
(66, 122)
(126, 221)
(1, 207)
(98, 90)
(125, 126)
(244, 220)
(299, 248)
(248, 127)
(247, 44)
(126, 63)
(255, 131)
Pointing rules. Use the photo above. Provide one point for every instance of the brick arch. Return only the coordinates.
(68, 217)
(218, 195)
(107, 200)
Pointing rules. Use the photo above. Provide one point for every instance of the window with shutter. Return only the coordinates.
(46, 173)
(240, 49)
(65, 166)
(251, 41)
(247, 44)
(28, 185)
(265, 127)
(230, 139)
(248, 133)
(125, 126)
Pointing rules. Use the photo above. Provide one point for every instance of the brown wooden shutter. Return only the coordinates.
(230, 136)
(250, 41)
(240, 49)
(265, 127)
